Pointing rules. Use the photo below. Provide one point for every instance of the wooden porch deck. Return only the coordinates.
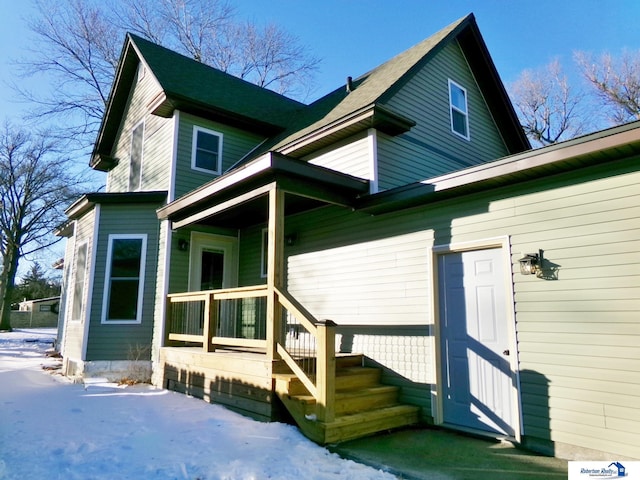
(248, 383)
(240, 380)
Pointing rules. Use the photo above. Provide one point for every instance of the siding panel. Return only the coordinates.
(235, 145)
(431, 148)
(114, 341)
(577, 328)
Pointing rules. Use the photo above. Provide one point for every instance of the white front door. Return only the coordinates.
(478, 383)
(213, 262)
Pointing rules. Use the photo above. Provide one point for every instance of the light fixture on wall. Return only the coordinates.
(531, 263)
(183, 245)
(291, 239)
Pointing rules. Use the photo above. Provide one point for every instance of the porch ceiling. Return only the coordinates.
(239, 198)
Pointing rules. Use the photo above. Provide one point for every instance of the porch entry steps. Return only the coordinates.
(363, 405)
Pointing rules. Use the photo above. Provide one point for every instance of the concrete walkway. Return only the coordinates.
(438, 454)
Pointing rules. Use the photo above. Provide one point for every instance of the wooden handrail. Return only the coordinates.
(324, 332)
(321, 385)
(298, 311)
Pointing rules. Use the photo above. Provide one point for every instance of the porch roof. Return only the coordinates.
(239, 198)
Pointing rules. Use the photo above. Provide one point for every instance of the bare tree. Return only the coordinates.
(77, 45)
(549, 108)
(616, 82)
(36, 184)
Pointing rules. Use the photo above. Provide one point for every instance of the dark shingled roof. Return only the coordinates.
(188, 82)
(375, 88)
(292, 127)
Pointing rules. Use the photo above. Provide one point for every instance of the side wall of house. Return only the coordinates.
(123, 341)
(236, 144)
(577, 328)
(73, 336)
(352, 156)
(430, 148)
(157, 141)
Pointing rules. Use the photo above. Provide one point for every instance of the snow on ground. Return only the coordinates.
(53, 429)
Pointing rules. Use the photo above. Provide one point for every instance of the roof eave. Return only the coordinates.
(372, 116)
(598, 148)
(262, 170)
(90, 200)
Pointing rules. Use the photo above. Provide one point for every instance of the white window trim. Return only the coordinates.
(107, 276)
(465, 113)
(141, 156)
(194, 145)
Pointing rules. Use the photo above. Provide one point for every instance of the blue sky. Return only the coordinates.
(353, 36)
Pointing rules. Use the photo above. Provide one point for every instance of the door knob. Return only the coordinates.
(506, 352)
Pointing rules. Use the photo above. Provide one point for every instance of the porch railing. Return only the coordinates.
(237, 317)
(233, 317)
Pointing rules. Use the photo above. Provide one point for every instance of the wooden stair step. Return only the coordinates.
(357, 425)
(353, 377)
(354, 400)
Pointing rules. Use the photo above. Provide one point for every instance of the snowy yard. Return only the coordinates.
(52, 429)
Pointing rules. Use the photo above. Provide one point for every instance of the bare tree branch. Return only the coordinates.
(36, 184)
(77, 46)
(550, 110)
(616, 82)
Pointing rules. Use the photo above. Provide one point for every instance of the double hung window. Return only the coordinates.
(124, 279)
(459, 110)
(206, 155)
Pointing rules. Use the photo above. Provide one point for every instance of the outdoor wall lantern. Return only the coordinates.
(531, 263)
(291, 239)
(183, 245)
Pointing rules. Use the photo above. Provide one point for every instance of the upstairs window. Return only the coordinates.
(124, 279)
(206, 155)
(135, 167)
(458, 109)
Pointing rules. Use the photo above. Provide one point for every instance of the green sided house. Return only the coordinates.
(392, 253)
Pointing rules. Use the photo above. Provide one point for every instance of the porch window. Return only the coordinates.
(459, 110)
(124, 279)
(135, 167)
(206, 154)
(78, 282)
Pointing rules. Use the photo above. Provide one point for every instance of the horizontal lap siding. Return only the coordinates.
(430, 148)
(351, 156)
(370, 276)
(577, 334)
(157, 141)
(114, 341)
(236, 144)
(74, 331)
(249, 272)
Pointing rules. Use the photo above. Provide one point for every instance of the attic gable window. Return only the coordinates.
(206, 155)
(459, 110)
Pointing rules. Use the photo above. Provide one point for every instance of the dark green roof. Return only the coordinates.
(188, 83)
(193, 87)
(294, 128)
(376, 87)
